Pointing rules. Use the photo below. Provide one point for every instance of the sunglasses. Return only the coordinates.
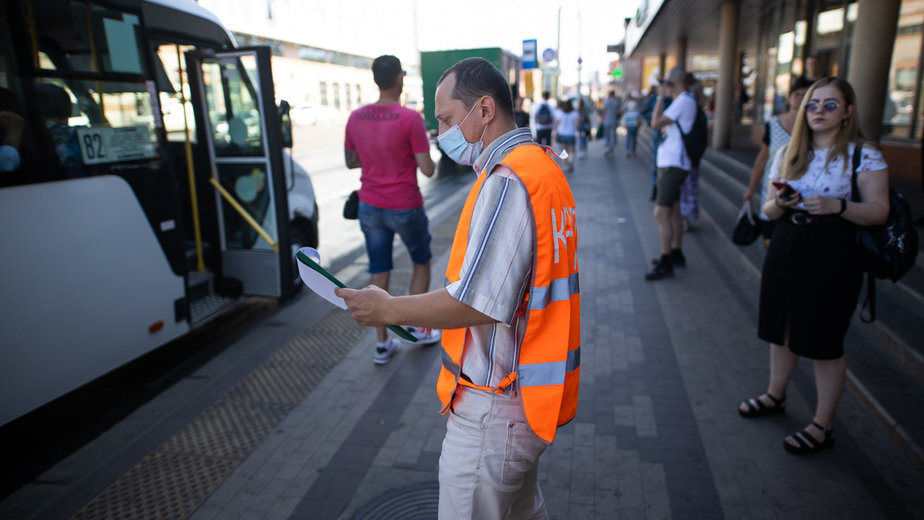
(828, 106)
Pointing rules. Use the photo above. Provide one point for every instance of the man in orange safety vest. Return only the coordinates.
(510, 311)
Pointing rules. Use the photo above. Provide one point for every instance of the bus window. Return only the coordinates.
(91, 39)
(112, 121)
(173, 96)
(91, 88)
(21, 155)
(233, 109)
(62, 119)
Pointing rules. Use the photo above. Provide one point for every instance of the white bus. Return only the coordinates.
(144, 186)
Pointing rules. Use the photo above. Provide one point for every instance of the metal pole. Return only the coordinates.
(558, 53)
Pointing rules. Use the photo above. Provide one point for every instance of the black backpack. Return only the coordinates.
(696, 141)
(887, 251)
(544, 114)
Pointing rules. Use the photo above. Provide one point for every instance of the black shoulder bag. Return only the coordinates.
(351, 206)
(885, 251)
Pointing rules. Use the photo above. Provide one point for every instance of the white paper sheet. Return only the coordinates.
(316, 280)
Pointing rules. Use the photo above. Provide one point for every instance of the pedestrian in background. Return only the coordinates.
(521, 117)
(673, 167)
(813, 70)
(612, 106)
(811, 276)
(776, 134)
(656, 135)
(585, 127)
(566, 128)
(631, 120)
(510, 371)
(389, 142)
(689, 192)
(544, 116)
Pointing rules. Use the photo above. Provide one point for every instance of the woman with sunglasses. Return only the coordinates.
(811, 278)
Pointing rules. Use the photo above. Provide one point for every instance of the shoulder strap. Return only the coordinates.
(870, 301)
(857, 155)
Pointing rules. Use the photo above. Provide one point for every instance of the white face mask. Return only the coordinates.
(455, 145)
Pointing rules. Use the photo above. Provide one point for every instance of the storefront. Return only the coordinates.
(777, 40)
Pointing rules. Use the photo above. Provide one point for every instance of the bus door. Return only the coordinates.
(239, 122)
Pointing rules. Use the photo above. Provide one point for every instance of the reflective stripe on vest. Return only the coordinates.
(559, 290)
(547, 363)
(551, 373)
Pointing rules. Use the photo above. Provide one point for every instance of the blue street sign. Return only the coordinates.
(549, 55)
(529, 55)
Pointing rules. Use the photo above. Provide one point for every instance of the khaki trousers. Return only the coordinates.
(489, 464)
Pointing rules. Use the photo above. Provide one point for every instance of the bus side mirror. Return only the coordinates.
(286, 119)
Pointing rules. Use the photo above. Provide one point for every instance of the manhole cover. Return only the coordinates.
(414, 502)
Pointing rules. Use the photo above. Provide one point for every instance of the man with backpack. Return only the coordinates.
(674, 164)
(545, 120)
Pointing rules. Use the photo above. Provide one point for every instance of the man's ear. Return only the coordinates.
(488, 109)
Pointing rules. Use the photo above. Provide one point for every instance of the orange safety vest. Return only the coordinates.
(547, 364)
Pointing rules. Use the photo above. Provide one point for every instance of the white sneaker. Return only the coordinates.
(425, 336)
(384, 351)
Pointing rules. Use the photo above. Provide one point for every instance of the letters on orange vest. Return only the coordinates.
(563, 228)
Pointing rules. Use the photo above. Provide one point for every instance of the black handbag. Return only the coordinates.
(351, 206)
(747, 228)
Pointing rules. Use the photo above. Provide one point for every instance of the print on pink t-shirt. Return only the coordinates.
(386, 137)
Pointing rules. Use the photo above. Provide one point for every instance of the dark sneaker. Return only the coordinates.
(659, 271)
(677, 258)
(384, 351)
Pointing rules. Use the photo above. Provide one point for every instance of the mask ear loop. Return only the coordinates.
(481, 139)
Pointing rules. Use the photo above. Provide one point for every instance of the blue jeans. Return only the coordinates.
(379, 226)
(609, 136)
(631, 138)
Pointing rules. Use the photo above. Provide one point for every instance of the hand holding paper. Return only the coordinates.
(324, 284)
(363, 304)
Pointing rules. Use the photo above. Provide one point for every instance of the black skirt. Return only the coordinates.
(810, 284)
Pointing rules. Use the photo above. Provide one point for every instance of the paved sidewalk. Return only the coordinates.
(664, 366)
(656, 436)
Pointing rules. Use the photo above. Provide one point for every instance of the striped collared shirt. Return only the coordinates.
(496, 268)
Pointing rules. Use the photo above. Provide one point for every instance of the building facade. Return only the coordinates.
(760, 45)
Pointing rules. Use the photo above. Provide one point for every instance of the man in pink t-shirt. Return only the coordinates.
(390, 142)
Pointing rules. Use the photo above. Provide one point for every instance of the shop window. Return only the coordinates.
(901, 115)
